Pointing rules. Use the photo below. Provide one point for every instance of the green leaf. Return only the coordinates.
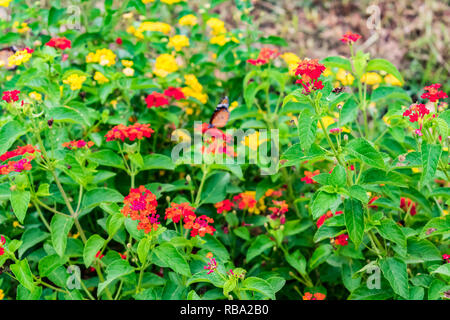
(114, 271)
(229, 286)
(107, 158)
(96, 196)
(436, 226)
(170, 256)
(92, 246)
(22, 271)
(391, 231)
(320, 255)
(338, 176)
(363, 150)
(384, 65)
(50, 263)
(443, 269)
(19, 202)
(216, 247)
(354, 220)
(258, 285)
(359, 193)
(338, 62)
(143, 249)
(261, 244)
(30, 238)
(66, 114)
(394, 270)
(323, 202)
(307, 126)
(430, 158)
(242, 232)
(157, 161)
(215, 188)
(60, 227)
(297, 261)
(9, 133)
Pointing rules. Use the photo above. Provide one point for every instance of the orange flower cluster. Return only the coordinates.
(140, 205)
(224, 206)
(308, 176)
(315, 296)
(265, 55)
(132, 132)
(20, 165)
(198, 225)
(245, 200)
(77, 144)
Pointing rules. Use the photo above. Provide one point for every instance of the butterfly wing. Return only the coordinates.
(221, 115)
(5, 53)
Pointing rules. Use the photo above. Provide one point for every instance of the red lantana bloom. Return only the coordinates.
(350, 37)
(2, 243)
(308, 176)
(60, 43)
(433, 93)
(119, 41)
(178, 211)
(341, 240)
(224, 206)
(446, 257)
(132, 132)
(19, 151)
(11, 96)
(156, 99)
(199, 225)
(326, 216)
(415, 112)
(265, 55)
(310, 71)
(140, 205)
(174, 93)
(407, 204)
(279, 211)
(244, 200)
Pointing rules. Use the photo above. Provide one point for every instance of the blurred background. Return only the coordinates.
(412, 34)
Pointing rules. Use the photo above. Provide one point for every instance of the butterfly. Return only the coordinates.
(221, 115)
(5, 53)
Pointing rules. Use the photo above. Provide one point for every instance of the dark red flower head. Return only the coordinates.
(350, 37)
(433, 93)
(156, 99)
(10, 96)
(174, 93)
(60, 43)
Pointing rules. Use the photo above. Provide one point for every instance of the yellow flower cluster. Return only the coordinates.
(75, 81)
(18, 58)
(100, 78)
(147, 1)
(219, 31)
(292, 60)
(128, 71)
(188, 20)
(393, 81)
(260, 206)
(165, 64)
(35, 96)
(194, 89)
(178, 42)
(371, 78)
(5, 3)
(345, 77)
(149, 26)
(21, 27)
(171, 1)
(104, 57)
(2, 295)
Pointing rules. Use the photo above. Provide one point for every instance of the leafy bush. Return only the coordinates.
(97, 105)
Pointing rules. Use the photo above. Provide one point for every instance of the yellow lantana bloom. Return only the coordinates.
(345, 77)
(371, 78)
(188, 20)
(165, 64)
(392, 80)
(104, 57)
(178, 42)
(100, 77)
(75, 81)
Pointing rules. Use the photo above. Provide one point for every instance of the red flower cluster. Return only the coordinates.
(119, 41)
(310, 71)
(77, 144)
(60, 43)
(132, 132)
(407, 204)
(140, 205)
(341, 240)
(2, 243)
(20, 151)
(415, 112)
(308, 176)
(10, 96)
(445, 257)
(350, 37)
(198, 225)
(224, 206)
(264, 56)
(279, 210)
(326, 216)
(156, 99)
(315, 296)
(433, 93)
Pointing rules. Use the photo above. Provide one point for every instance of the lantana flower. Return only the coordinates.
(433, 93)
(178, 42)
(140, 204)
(104, 57)
(310, 71)
(341, 240)
(11, 96)
(408, 205)
(224, 206)
(164, 65)
(60, 43)
(132, 132)
(77, 144)
(315, 296)
(20, 57)
(156, 99)
(2, 243)
(75, 81)
(326, 216)
(188, 20)
(308, 176)
(350, 37)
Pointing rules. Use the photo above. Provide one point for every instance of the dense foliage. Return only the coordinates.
(93, 204)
